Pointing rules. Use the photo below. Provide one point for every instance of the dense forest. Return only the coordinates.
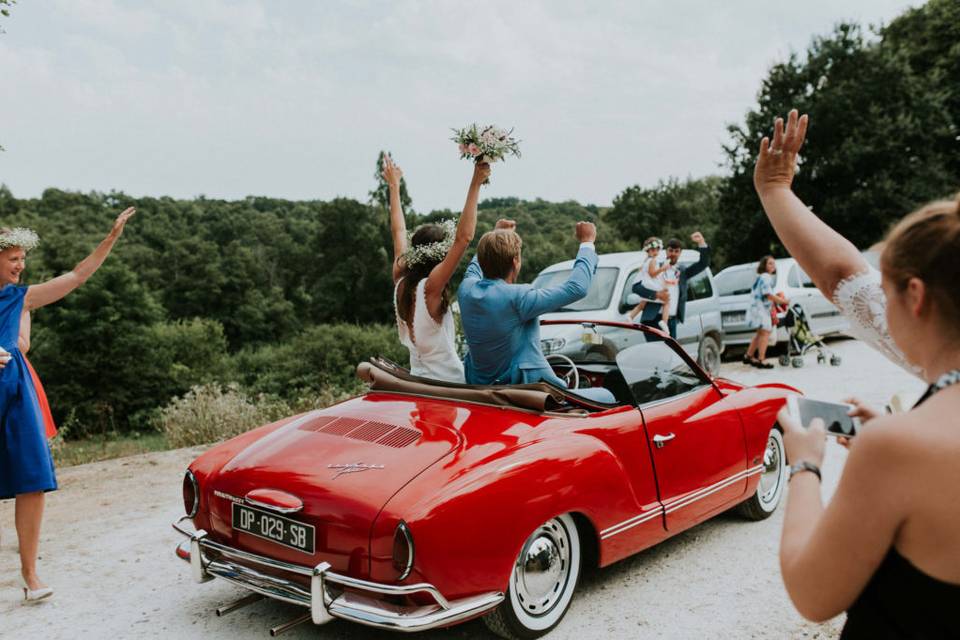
(283, 298)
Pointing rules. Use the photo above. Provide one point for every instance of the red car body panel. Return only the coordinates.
(471, 481)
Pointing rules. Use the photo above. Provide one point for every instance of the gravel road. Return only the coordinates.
(107, 549)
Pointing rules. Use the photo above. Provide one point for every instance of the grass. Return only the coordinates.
(68, 453)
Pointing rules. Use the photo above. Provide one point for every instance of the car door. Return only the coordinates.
(696, 444)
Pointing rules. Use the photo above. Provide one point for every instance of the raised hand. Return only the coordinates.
(391, 172)
(586, 231)
(503, 223)
(121, 221)
(698, 239)
(481, 173)
(777, 161)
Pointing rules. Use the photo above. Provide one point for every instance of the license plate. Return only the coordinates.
(274, 528)
(735, 317)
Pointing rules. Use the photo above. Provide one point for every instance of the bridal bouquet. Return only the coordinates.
(487, 144)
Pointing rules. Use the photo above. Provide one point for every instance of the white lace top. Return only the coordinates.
(432, 346)
(861, 299)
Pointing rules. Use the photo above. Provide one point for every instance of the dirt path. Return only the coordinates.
(107, 549)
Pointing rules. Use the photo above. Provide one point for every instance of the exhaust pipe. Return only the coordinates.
(280, 628)
(238, 604)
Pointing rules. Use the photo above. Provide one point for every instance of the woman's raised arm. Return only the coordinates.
(824, 254)
(466, 228)
(40, 295)
(398, 225)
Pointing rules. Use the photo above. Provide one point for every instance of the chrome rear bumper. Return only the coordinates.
(327, 597)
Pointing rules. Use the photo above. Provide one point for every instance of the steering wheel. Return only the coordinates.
(572, 377)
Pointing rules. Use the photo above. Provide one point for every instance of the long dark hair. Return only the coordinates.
(762, 265)
(411, 275)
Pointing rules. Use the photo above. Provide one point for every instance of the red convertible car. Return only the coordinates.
(421, 504)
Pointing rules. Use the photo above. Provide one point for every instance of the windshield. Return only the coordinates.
(635, 369)
(598, 297)
(733, 282)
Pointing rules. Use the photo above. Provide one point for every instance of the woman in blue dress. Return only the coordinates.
(26, 466)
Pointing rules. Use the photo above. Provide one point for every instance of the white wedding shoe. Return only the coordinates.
(34, 595)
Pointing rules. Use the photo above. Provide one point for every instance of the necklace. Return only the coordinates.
(949, 378)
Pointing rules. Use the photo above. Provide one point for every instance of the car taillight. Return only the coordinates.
(191, 494)
(402, 550)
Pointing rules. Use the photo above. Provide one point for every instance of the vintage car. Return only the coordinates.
(421, 504)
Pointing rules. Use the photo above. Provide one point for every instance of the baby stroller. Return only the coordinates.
(800, 339)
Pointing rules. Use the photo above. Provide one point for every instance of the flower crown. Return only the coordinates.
(656, 243)
(431, 251)
(26, 239)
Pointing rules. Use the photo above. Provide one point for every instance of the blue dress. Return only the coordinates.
(26, 465)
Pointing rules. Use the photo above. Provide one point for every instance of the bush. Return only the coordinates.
(211, 413)
(321, 357)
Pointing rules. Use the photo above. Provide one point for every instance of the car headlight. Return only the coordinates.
(403, 550)
(191, 494)
(552, 345)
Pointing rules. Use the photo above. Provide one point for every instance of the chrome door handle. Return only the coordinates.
(660, 440)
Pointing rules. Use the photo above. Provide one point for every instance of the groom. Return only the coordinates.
(501, 319)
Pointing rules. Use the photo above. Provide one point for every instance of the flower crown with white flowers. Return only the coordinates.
(656, 243)
(24, 238)
(431, 251)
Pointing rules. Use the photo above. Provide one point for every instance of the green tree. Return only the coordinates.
(673, 208)
(875, 148)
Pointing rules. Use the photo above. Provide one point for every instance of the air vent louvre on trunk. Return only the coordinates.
(388, 435)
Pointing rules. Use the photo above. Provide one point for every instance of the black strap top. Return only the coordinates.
(900, 601)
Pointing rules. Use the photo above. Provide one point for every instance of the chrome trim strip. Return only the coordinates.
(706, 491)
(631, 523)
(324, 605)
(679, 503)
(270, 507)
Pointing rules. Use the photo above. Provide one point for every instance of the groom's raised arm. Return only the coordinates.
(535, 302)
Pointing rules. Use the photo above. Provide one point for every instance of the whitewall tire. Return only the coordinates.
(542, 582)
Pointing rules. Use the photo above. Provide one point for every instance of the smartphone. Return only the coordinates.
(833, 414)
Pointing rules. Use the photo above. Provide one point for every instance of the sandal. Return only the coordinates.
(760, 364)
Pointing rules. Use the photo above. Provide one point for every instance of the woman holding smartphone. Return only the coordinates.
(886, 549)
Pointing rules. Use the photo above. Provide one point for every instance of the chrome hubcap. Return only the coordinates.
(543, 568)
(770, 480)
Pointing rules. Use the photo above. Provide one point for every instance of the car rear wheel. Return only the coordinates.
(542, 582)
(772, 480)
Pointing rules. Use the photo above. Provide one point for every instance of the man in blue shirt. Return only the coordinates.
(501, 319)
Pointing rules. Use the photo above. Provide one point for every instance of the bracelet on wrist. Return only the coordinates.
(802, 466)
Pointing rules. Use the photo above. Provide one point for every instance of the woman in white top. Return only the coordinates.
(887, 546)
(422, 269)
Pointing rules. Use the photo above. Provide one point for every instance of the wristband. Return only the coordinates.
(802, 466)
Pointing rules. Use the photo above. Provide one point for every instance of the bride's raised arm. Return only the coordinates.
(826, 256)
(398, 224)
(39, 295)
(466, 229)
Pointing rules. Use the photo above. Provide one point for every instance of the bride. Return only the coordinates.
(421, 272)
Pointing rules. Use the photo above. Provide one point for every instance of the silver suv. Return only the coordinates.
(611, 296)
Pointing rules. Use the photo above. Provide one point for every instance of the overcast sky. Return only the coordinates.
(294, 98)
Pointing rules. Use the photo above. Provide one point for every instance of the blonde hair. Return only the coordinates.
(496, 252)
(926, 245)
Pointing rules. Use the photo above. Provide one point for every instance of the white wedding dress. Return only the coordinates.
(861, 300)
(433, 350)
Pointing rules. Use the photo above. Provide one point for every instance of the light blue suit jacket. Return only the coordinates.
(502, 322)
